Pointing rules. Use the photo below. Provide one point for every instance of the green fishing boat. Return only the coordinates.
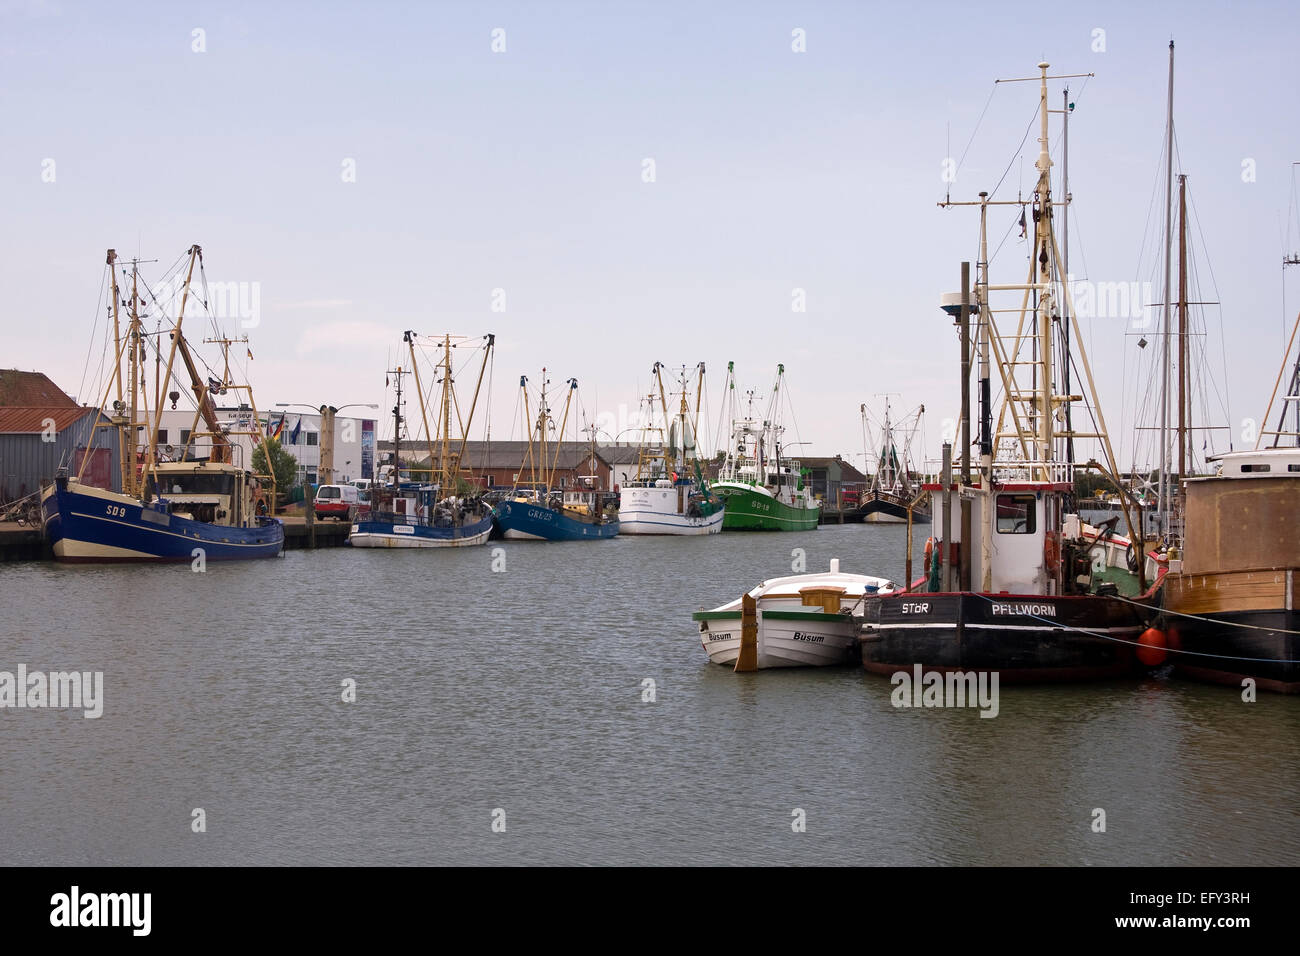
(763, 489)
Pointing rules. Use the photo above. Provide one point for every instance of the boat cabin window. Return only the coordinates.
(1261, 468)
(1017, 514)
(1293, 467)
(197, 484)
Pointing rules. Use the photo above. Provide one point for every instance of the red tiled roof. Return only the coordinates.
(31, 389)
(30, 419)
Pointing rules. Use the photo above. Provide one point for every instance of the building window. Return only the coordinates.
(162, 436)
(185, 436)
(1017, 514)
(311, 438)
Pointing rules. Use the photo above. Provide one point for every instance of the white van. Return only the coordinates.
(335, 501)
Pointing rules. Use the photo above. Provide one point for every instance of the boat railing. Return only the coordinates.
(1009, 470)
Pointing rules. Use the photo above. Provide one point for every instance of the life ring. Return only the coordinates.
(1052, 552)
(929, 549)
(260, 507)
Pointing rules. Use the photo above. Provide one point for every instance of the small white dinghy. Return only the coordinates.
(804, 620)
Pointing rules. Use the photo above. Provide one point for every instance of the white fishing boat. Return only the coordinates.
(670, 494)
(802, 620)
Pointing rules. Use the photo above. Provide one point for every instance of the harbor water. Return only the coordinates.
(503, 714)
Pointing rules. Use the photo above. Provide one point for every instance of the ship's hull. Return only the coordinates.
(880, 507)
(748, 509)
(655, 510)
(523, 520)
(1025, 638)
(394, 534)
(91, 525)
(786, 638)
(1229, 626)
(641, 521)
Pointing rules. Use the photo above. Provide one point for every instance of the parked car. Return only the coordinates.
(336, 501)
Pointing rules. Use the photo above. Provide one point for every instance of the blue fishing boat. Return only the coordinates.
(537, 509)
(418, 516)
(186, 509)
(85, 524)
(447, 511)
(553, 519)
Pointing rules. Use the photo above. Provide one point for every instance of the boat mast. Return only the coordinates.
(1065, 265)
(886, 459)
(683, 416)
(1182, 328)
(133, 346)
(986, 402)
(444, 465)
(559, 443)
(695, 421)
(528, 430)
(397, 431)
(464, 438)
(409, 338)
(119, 419)
(1045, 299)
(1169, 238)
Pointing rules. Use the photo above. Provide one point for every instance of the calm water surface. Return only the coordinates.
(522, 690)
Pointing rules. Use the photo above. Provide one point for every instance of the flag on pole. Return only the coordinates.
(274, 432)
(297, 428)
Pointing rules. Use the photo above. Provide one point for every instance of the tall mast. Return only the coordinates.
(1065, 265)
(695, 421)
(409, 338)
(1169, 239)
(684, 416)
(1182, 327)
(446, 414)
(133, 345)
(397, 431)
(124, 428)
(986, 400)
(1042, 238)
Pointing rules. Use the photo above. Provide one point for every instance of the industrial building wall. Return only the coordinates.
(27, 462)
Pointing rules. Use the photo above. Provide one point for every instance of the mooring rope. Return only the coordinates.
(1211, 620)
(1171, 650)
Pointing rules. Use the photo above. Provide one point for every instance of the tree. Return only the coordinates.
(283, 465)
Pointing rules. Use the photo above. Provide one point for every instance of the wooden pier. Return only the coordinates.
(840, 516)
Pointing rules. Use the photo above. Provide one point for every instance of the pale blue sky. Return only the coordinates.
(522, 171)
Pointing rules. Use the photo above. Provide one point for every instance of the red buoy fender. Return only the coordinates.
(1151, 647)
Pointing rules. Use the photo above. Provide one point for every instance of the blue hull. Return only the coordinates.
(524, 520)
(394, 534)
(85, 528)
